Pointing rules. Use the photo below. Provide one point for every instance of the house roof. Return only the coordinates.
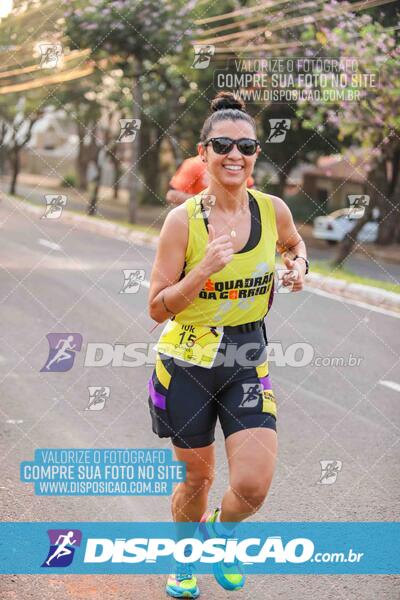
(353, 166)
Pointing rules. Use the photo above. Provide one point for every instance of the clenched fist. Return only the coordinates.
(219, 252)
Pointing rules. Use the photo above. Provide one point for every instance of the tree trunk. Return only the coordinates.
(113, 155)
(81, 169)
(346, 246)
(282, 183)
(116, 179)
(3, 150)
(15, 167)
(86, 154)
(135, 150)
(92, 208)
(389, 202)
(151, 139)
(376, 181)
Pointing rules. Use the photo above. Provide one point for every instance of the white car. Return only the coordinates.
(334, 227)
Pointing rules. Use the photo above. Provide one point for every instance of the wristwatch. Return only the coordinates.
(305, 260)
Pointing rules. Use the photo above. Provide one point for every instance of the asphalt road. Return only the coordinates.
(55, 277)
(364, 264)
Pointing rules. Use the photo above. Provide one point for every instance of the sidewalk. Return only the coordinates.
(32, 188)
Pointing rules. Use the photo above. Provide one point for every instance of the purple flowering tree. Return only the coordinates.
(373, 121)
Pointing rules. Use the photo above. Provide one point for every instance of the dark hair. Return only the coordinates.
(225, 106)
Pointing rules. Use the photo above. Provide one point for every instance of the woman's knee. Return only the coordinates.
(199, 481)
(200, 467)
(252, 494)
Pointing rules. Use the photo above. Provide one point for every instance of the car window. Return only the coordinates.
(342, 212)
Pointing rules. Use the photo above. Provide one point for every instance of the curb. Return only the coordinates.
(355, 291)
(95, 225)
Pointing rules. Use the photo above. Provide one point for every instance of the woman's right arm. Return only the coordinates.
(168, 295)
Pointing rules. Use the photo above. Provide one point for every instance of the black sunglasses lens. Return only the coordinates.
(247, 147)
(222, 145)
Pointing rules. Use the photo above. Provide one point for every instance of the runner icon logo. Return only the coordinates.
(98, 395)
(252, 393)
(329, 471)
(62, 351)
(54, 206)
(63, 543)
(279, 129)
(128, 129)
(132, 280)
(202, 56)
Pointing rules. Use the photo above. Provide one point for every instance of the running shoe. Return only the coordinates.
(182, 584)
(230, 577)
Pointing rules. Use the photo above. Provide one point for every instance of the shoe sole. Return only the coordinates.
(222, 582)
(182, 595)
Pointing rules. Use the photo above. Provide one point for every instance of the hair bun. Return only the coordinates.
(226, 100)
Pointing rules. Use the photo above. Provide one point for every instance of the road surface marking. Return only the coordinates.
(47, 244)
(332, 403)
(382, 311)
(390, 384)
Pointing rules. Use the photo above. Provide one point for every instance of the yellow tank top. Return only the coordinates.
(240, 292)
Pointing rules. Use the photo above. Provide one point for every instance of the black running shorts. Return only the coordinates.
(186, 400)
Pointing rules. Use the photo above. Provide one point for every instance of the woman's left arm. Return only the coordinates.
(290, 242)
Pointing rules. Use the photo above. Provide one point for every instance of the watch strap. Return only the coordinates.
(305, 260)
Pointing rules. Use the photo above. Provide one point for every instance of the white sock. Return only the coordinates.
(221, 527)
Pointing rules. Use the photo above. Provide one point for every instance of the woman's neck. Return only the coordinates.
(228, 199)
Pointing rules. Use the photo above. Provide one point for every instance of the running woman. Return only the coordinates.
(212, 279)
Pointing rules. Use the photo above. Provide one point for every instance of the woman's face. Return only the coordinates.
(234, 168)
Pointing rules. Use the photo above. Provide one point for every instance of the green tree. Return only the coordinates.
(131, 33)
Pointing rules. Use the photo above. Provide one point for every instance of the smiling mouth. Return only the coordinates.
(233, 168)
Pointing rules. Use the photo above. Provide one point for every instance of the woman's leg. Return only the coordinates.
(189, 499)
(251, 457)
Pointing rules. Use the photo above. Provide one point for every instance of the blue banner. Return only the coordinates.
(151, 548)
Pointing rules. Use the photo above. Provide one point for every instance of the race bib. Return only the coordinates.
(194, 344)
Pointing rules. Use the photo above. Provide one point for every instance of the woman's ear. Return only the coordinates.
(202, 152)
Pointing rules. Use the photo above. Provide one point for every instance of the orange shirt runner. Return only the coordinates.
(192, 176)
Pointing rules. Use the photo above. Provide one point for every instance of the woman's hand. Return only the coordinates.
(219, 252)
(294, 280)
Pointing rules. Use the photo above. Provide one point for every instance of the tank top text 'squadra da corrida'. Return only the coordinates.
(242, 291)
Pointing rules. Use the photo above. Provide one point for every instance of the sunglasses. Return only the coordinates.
(223, 145)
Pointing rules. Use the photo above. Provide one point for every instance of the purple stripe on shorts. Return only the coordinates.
(266, 382)
(158, 399)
